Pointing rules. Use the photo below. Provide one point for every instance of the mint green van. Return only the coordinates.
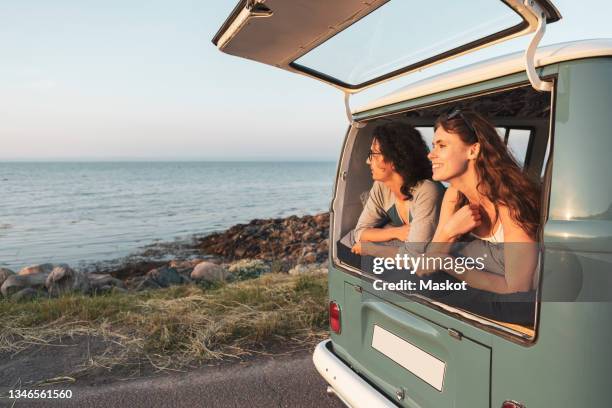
(552, 107)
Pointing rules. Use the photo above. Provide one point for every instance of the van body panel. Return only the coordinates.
(568, 362)
(457, 93)
(467, 361)
(568, 366)
(490, 69)
(583, 135)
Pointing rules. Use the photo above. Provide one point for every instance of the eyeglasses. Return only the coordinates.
(371, 153)
(457, 112)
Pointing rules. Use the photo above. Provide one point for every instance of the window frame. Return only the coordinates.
(488, 325)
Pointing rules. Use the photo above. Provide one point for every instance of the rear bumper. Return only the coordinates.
(350, 388)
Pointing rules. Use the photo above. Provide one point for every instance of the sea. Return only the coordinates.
(83, 212)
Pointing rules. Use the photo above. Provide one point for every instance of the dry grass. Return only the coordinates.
(179, 326)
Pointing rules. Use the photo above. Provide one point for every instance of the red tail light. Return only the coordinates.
(512, 404)
(334, 317)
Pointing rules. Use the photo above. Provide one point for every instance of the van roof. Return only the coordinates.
(493, 68)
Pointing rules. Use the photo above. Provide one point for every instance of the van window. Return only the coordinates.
(382, 36)
(524, 130)
(518, 142)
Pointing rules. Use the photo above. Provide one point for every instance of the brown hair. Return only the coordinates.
(500, 178)
(404, 147)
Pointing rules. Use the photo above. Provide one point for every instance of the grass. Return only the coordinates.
(177, 326)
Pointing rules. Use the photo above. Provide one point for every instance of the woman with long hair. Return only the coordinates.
(489, 200)
(404, 203)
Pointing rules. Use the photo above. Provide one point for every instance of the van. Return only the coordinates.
(551, 106)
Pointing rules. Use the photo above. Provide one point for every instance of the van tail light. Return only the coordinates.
(512, 404)
(334, 317)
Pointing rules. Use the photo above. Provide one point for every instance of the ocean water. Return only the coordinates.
(84, 212)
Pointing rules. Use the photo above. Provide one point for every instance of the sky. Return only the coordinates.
(141, 80)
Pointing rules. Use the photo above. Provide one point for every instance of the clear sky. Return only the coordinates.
(82, 80)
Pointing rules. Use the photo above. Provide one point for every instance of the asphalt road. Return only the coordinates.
(284, 381)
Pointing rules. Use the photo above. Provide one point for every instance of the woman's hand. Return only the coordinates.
(464, 220)
(402, 232)
(430, 261)
(356, 249)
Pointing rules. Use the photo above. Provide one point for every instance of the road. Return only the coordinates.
(284, 381)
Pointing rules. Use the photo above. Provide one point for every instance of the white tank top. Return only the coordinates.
(496, 238)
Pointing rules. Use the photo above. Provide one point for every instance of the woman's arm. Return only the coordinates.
(385, 233)
(425, 210)
(373, 213)
(442, 240)
(520, 261)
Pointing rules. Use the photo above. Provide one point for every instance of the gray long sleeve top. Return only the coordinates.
(423, 212)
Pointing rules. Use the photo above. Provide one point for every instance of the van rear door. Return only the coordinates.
(319, 38)
(428, 365)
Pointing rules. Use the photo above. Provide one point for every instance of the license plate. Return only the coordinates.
(419, 362)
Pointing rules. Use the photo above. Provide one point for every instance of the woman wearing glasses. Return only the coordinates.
(492, 205)
(404, 203)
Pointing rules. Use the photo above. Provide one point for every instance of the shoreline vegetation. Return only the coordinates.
(255, 288)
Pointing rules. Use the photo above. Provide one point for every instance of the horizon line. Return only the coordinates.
(120, 160)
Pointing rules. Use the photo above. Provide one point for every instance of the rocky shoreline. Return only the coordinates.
(292, 245)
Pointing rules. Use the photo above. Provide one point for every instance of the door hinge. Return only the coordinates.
(349, 115)
(539, 13)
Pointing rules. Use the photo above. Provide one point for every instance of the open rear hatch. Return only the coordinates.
(319, 38)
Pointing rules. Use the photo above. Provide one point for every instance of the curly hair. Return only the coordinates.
(500, 178)
(403, 146)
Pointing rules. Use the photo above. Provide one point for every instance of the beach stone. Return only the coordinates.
(271, 239)
(184, 264)
(248, 269)
(309, 257)
(15, 283)
(301, 269)
(209, 272)
(41, 268)
(25, 295)
(117, 289)
(64, 279)
(185, 267)
(146, 283)
(4, 274)
(101, 282)
(165, 276)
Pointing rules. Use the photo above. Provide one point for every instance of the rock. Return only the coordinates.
(146, 283)
(15, 283)
(209, 272)
(248, 269)
(117, 289)
(300, 269)
(42, 268)
(272, 239)
(321, 218)
(25, 294)
(165, 276)
(184, 264)
(103, 282)
(308, 258)
(4, 274)
(64, 279)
